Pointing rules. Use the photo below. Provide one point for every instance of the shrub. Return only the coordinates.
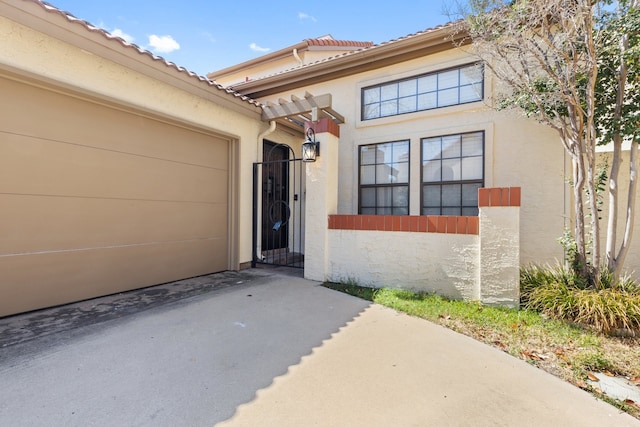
(559, 293)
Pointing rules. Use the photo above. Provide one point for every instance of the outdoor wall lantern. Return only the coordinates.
(311, 147)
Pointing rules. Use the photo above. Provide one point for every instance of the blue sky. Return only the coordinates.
(204, 36)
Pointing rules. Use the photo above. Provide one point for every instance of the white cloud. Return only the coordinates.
(303, 16)
(119, 33)
(163, 44)
(257, 48)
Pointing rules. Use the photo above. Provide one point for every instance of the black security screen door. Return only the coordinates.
(275, 196)
(277, 210)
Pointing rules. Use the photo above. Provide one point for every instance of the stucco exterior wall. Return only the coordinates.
(500, 260)
(518, 151)
(125, 79)
(445, 264)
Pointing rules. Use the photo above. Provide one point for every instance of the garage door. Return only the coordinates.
(95, 200)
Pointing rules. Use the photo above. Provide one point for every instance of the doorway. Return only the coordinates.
(277, 210)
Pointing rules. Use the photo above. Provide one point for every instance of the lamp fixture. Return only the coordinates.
(310, 147)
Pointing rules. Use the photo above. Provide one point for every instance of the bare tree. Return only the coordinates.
(546, 54)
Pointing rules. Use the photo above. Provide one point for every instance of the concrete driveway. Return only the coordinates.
(262, 348)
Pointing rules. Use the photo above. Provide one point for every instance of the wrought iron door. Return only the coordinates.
(277, 210)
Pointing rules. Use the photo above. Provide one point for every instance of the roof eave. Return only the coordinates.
(357, 62)
(54, 23)
(274, 56)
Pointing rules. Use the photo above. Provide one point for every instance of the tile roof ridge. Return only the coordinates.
(333, 42)
(48, 7)
(355, 51)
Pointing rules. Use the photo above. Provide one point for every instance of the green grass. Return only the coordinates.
(562, 348)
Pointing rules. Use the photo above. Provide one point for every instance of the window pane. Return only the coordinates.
(470, 74)
(428, 83)
(451, 195)
(406, 105)
(394, 171)
(384, 211)
(371, 111)
(389, 108)
(428, 101)
(402, 175)
(400, 151)
(367, 155)
(431, 171)
(451, 146)
(384, 196)
(368, 197)
(447, 97)
(383, 152)
(451, 170)
(367, 175)
(384, 174)
(431, 148)
(431, 211)
(451, 211)
(431, 196)
(448, 79)
(472, 168)
(400, 211)
(469, 94)
(400, 196)
(472, 144)
(470, 194)
(371, 95)
(368, 211)
(389, 91)
(407, 88)
(468, 211)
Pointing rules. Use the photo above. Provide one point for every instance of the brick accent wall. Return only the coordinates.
(502, 196)
(420, 224)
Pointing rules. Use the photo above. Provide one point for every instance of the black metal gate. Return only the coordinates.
(278, 208)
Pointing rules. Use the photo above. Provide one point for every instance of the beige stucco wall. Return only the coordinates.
(446, 264)
(91, 67)
(500, 255)
(518, 152)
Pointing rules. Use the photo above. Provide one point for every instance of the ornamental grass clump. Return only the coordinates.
(559, 293)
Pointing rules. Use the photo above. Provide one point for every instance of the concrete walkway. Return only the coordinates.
(269, 350)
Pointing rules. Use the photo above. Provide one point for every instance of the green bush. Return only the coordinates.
(559, 293)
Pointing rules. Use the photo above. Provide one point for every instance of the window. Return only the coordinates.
(425, 92)
(384, 178)
(452, 172)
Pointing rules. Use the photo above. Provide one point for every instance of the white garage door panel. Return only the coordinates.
(55, 278)
(95, 200)
(90, 223)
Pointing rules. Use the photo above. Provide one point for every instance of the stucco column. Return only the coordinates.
(500, 246)
(321, 199)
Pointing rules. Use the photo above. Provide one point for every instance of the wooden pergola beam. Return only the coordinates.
(300, 107)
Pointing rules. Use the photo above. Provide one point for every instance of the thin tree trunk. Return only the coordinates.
(590, 142)
(614, 262)
(612, 223)
(631, 207)
(580, 263)
(595, 220)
